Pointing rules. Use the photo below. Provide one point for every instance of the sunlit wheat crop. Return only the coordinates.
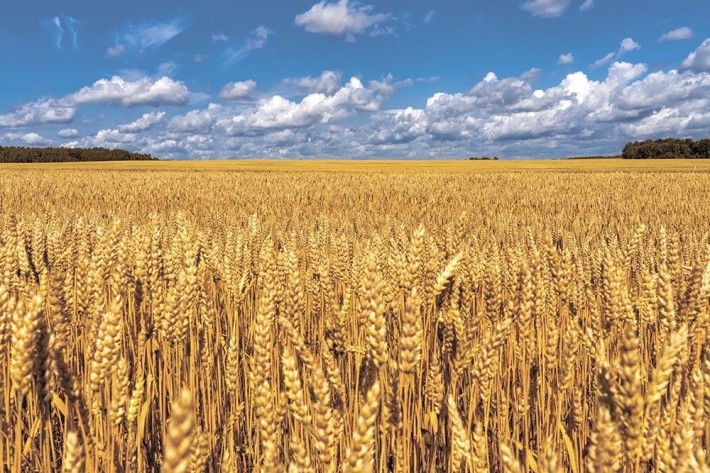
(185, 319)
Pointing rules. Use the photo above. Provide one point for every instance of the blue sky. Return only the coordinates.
(339, 78)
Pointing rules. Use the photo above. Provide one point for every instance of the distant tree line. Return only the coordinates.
(483, 158)
(16, 154)
(668, 148)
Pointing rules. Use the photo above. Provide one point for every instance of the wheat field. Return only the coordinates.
(346, 317)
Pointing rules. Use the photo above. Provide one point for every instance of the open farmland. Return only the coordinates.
(303, 316)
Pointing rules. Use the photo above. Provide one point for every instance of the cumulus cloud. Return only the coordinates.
(509, 114)
(626, 45)
(546, 8)
(257, 39)
(114, 91)
(237, 90)
(109, 137)
(278, 112)
(387, 85)
(143, 123)
(498, 115)
(669, 121)
(39, 112)
(324, 114)
(565, 59)
(31, 138)
(672, 103)
(327, 82)
(219, 37)
(139, 37)
(35, 139)
(68, 133)
(699, 60)
(340, 18)
(677, 34)
(143, 91)
(281, 137)
(398, 126)
(196, 120)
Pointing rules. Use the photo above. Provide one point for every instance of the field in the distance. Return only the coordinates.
(351, 316)
(571, 165)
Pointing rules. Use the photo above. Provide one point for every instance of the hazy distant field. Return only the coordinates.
(395, 165)
(348, 316)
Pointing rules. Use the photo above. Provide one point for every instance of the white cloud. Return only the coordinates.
(137, 38)
(56, 27)
(508, 113)
(143, 123)
(505, 116)
(660, 88)
(257, 39)
(59, 32)
(114, 91)
(677, 34)
(603, 61)
(144, 91)
(167, 68)
(340, 18)
(586, 5)
(68, 133)
(699, 60)
(565, 59)
(11, 136)
(72, 25)
(238, 90)
(109, 137)
(278, 112)
(196, 120)
(399, 126)
(546, 8)
(682, 120)
(387, 85)
(327, 82)
(40, 111)
(281, 137)
(322, 115)
(115, 51)
(219, 37)
(35, 139)
(627, 44)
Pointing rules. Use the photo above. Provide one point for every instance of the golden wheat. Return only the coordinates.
(403, 319)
